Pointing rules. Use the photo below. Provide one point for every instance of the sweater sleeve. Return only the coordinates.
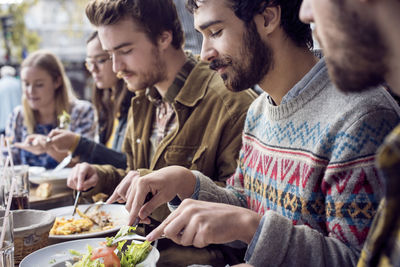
(352, 189)
(232, 194)
(208, 190)
(278, 242)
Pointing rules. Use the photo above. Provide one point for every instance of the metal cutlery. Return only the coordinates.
(132, 237)
(64, 263)
(147, 199)
(64, 163)
(76, 202)
(98, 203)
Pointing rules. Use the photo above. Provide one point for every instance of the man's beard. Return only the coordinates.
(250, 67)
(151, 77)
(357, 63)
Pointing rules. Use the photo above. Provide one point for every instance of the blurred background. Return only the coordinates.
(57, 25)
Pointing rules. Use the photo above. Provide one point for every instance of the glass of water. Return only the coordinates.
(7, 250)
(20, 197)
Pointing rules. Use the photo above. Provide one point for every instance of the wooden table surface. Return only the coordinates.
(60, 197)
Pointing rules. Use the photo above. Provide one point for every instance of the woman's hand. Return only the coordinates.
(62, 140)
(34, 143)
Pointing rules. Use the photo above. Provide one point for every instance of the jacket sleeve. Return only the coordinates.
(96, 153)
(230, 138)
(110, 176)
(229, 147)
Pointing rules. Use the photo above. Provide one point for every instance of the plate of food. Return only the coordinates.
(93, 252)
(58, 178)
(36, 171)
(99, 220)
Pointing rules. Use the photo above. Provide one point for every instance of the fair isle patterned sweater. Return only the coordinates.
(307, 165)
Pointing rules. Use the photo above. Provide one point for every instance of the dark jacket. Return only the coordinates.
(97, 153)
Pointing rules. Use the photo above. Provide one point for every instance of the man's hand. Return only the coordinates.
(34, 143)
(123, 188)
(82, 177)
(163, 184)
(61, 140)
(198, 223)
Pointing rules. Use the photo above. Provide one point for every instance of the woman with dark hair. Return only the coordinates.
(112, 100)
(110, 95)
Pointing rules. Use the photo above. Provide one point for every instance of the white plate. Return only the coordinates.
(59, 253)
(118, 214)
(48, 176)
(35, 171)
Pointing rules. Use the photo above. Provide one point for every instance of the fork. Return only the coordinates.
(98, 203)
(76, 202)
(133, 237)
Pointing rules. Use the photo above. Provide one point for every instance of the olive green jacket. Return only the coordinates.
(210, 120)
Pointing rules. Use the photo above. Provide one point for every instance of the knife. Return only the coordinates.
(76, 202)
(147, 199)
(63, 163)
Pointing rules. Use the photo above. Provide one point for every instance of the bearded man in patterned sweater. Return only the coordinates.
(305, 190)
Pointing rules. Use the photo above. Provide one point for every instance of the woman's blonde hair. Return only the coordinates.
(50, 63)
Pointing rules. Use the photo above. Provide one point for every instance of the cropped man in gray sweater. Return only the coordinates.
(305, 189)
(368, 54)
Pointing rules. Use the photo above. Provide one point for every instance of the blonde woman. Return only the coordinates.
(47, 93)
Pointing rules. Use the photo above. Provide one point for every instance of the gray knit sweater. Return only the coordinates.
(308, 166)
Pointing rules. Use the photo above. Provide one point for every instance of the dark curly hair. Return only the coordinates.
(245, 10)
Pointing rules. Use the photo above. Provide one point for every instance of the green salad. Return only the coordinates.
(106, 256)
(64, 120)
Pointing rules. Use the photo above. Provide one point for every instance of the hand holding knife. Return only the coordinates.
(147, 199)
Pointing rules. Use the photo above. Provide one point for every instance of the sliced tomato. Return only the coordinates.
(107, 253)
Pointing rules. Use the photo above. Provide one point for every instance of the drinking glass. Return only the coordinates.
(7, 250)
(20, 198)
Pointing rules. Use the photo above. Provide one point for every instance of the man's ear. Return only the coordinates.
(164, 40)
(269, 19)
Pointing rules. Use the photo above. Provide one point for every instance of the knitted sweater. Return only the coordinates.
(308, 167)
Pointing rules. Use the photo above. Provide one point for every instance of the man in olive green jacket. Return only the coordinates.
(207, 137)
(182, 113)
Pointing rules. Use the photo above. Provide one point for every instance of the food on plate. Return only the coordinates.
(64, 120)
(63, 226)
(99, 197)
(93, 221)
(44, 190)
(112, 256)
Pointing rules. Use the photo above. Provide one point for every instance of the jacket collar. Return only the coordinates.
(196, 85)
(179, 81)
